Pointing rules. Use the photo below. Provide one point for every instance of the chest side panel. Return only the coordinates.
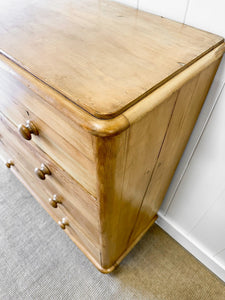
(134, 169)
(124, 167)
(187, 108)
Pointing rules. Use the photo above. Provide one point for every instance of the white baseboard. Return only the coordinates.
(191, 246)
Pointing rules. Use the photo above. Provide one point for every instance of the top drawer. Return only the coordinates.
(68, 144)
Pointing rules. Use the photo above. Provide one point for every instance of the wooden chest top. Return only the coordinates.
(101, 55)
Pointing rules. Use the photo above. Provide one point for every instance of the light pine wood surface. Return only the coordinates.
(75, 200)
(66, 143)
(149, 83)
(124, 165)
(83, 56)
(187, 107)
(137, 166)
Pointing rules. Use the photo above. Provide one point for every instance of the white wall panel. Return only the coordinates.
(220, 257)
(203, 182)
(173, 9)
(214, 263)
(207, 15)
(210, 229)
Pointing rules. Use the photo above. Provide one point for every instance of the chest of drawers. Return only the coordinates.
(97, 102)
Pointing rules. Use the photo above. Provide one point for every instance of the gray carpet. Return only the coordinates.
(39, 261)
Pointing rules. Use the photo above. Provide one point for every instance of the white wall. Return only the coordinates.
(193, 211)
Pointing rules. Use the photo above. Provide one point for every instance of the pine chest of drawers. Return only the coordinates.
(97, 102)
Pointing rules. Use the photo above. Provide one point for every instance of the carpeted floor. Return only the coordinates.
(39, 261)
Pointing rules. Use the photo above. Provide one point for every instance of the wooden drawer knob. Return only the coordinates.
(9, 163)
(63, 223)
(27, 130)
(44, 170)
(54, 201)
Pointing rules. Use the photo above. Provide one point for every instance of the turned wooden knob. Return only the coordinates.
(44, 170)
(27, 130)
(54, 201)
(63, 223)
(9, 163)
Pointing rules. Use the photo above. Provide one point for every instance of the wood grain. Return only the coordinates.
(110, 164)
(98, 69)
(73, 231)
(76, 202)
(135, 168)
(188, 105)
(124, 165)
(110, 127)
(114, 94)
(69, 145)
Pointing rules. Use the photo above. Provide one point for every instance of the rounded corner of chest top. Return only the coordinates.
(108, 127)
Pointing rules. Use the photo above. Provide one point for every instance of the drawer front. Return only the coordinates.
(68, 144)
(79, 207)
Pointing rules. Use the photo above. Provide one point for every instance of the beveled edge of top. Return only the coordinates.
(104, 115)
(115, 125)
(107, 115)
